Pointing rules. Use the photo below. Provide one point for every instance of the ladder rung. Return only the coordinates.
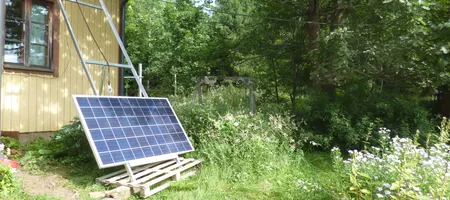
(93, 62)
(132, 77)
(86, 4)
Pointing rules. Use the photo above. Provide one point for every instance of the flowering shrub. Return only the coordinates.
(225, 133)
(248, 142)
(399, 169)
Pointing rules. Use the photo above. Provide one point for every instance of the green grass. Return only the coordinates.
(217, 182)
(245, 156)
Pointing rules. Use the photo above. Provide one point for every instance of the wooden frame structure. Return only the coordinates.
(212, 80)
(153, 178)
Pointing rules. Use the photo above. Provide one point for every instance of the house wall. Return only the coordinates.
(43, 103)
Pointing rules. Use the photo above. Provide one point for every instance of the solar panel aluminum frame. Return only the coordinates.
(130, 163)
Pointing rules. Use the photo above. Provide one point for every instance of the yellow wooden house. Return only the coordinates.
(40, 67)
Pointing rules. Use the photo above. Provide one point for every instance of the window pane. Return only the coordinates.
(13, 30)
(14, 52)
(38, 33)
(39, 13)
(14, 45)
(14, 9)
(38, 55)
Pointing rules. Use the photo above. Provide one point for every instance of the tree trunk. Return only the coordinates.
(338, 13)
(314, 26)
(295, 71)
(313, 35)
(336, 20)
(275, 75)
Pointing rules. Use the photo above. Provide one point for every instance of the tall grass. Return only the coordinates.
(246, 156)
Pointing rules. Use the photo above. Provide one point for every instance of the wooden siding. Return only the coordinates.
(41, 103)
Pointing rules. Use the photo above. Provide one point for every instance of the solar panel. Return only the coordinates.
(125, 129)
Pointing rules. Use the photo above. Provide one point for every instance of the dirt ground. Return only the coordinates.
(50, 184)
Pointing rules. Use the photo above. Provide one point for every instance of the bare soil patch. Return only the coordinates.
(51, 184)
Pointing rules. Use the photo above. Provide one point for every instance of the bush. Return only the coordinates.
(349, 121)
(14, 146)
(7, 181)
(226, 134)
(399, 169)
(71, 144)
(68, 146)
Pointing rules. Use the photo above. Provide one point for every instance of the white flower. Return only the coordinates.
(334, 149)
(387, 192)
(229, 117)
(236, 123)
(379, 195)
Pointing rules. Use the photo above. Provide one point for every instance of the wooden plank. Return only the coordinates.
(152, 175)
(32, 103)
(53, 110)
(39, 104)
(151, 172)
(168, 175)
(158, 173)
(146, 191)
(15, 101)
(125, 175)
(6, 102)
(23, 102)
(47, 105)
(119, 172)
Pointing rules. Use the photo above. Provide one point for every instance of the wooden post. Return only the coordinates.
(177, 176)
(251, 96)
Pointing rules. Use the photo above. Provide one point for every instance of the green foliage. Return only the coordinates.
(169, 40)
(14, 146)
(69, 146)
(444, 136)
(352, 119)
(245, 156)
(225, 136)
(402, 170)
(10, 187)
(11, 143)
(7, 180)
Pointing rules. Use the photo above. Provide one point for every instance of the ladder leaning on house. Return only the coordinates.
(85, 62)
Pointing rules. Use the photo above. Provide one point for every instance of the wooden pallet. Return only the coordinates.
(153, 178)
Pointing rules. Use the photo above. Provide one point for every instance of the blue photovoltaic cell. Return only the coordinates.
(125, 129)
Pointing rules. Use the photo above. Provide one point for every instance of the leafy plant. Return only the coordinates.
(402, 170)
(14, 146)
(71, 144)
(68, 146)
(7, 180)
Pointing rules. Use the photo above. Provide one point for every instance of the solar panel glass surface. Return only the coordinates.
(124, 129)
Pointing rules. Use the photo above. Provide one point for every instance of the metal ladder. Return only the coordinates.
(85, 62)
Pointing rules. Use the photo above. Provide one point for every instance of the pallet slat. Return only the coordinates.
(168, 175)
(157, 173)
(146, 172)
(124, 175)
(153, 178)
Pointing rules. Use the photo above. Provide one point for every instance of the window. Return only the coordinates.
(29, 35)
